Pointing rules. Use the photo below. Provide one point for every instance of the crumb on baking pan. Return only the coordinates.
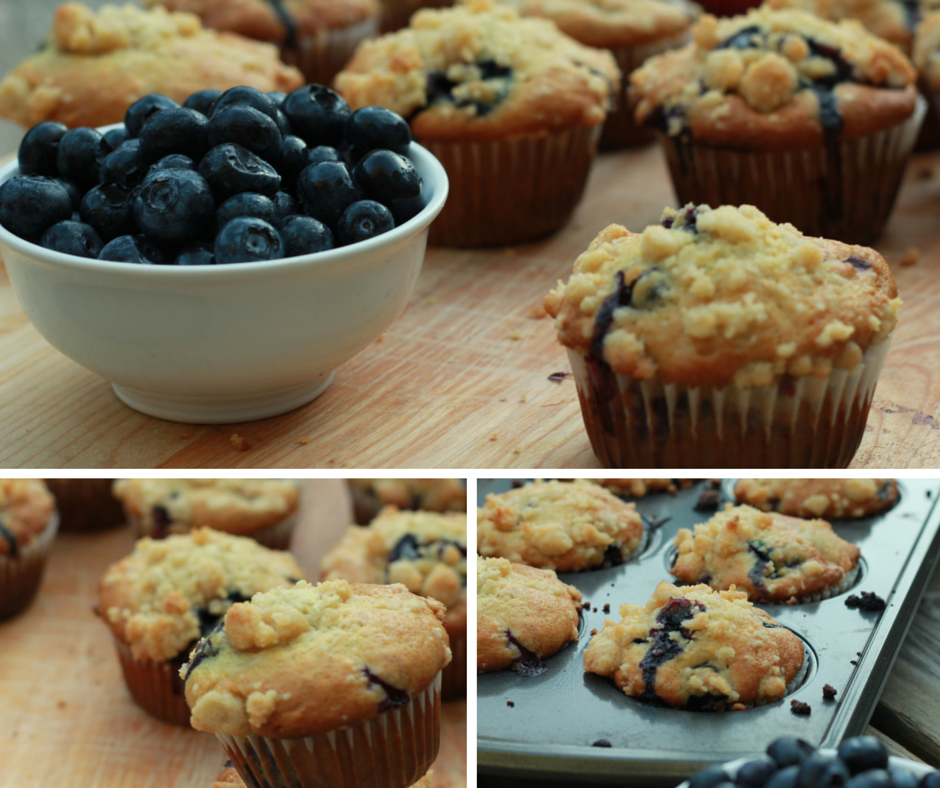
(602, 743)
(510, 704)
(829, 692)
(867, 601)
(799, 708)
(708, 501)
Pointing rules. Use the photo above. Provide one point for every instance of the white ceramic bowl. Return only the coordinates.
(223, 343)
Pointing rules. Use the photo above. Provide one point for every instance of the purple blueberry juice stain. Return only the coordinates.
(394, 698)
(673, 615)
(527, 664)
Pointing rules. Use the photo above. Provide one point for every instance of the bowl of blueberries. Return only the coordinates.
(216, 261)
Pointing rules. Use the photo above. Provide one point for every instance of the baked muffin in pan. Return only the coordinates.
(834, 498)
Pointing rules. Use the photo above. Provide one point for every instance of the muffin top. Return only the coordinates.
(724, 295)
(637, 488)
(610, 24)
(279, 22)
(170, 592)
(696, 648)
(565, 526)
(424, 551)
(835, 498)
(434, 495)
(25, 508)
(478, 71)
(523, 615)
(775, 80)
(298, 661)
(229, 778)
(927, 50)
(95, 65)
(238, 506)
(771, 557)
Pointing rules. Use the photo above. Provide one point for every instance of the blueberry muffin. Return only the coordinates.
(565, 526)
(28, 524)
(370, 496)
(698, 649)
(316, 36)
(718, 339)
(638, 488)
(773, 104)
(163, 597)
(834, 498)
(427, 553)
(96, 64)
(230, 778)
(772, 558)
(264, 509)
(86, 504)
(633, 30)
(927, 61)
(524, 615)
(512, 108)
(295, 682)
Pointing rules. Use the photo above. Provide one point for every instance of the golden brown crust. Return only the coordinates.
(637, 488)
(834, 498)
(25, 508)
(96, 66)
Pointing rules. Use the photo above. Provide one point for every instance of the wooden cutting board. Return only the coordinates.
(461, 380)
(66, 718)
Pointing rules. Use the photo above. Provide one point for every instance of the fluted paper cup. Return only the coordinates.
(155, 686)
(321, 56)
(21, 573)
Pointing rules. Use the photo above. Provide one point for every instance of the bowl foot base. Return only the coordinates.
(223, 410)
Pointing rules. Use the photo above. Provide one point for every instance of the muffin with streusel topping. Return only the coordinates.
(28, 524)
(811, 121)
(718, 339)
(511, 106)
(370, 496)
(837, 498)
(96, 64)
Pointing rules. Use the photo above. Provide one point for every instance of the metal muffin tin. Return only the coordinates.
(556, 717)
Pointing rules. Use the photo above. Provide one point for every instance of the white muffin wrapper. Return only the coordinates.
(276, 536)
(321, 56)
(20, 576)
(155, 686)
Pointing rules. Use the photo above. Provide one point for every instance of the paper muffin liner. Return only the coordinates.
(929, 138)
(21, 575)
(397, 13)
(454, 676)
(276, 536)
(842, 190)
(847, 581)
(393, 750)
(321, 56)
(86, 504)
(804, 422)
(511, 191)
(155, 686)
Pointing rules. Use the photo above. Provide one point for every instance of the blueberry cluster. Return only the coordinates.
(859, 762)
(232, 177)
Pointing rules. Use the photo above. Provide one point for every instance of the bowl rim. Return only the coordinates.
(428, 166)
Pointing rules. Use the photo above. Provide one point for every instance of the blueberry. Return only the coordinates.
(902, 778)
(30, 204)
(109, 208)
(283, 124)
(122, 166)
(247, 240)
(245, 97)
(75, 194)
(326, 190)
(317, 115)
(173, 205)
(277, 96)
(245, 204)
(196, 254)
(247, 127)
(931, 780)
(822, 771)
(133, 249)
(292, 159)
(874, 778)
(369, 128)
(754, 774)
(116, 137)
(385, 176)
(405, 210)
(202, 100)
(138, 112)
(304, 235)
(231, 169)
(322, 153)
(284, 205)
(175, 161)
(862, 753)
(363, 220)
(37, 154)
(80, 154)
(129, 143)
(177, 130)
(73, 238)
(709, 777)
(785, 778)
(790, 751)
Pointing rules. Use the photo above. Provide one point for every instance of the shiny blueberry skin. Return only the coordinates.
(874, 778)
(73, 238)
(177, 130)
(292, 159)
(30, 204)
(754, 774)
(405, 210)
(231, 169)
(785, 778)
(790, 751)
(901, 778)
(326, 190)
(862, 753)
(196, 254)
(128, 143)
(322, 153)
(371, 128)
(173, 206)
(38, 150)
(247, 127)
(122, 166)
(116, 137)
(283, 124)
(138, 112)
(109, 208)
(305, 235)
(247, 240)
(709, 777)
(175, 161)
(75, 194)
(133, 249)
(317, 115)
(363, 220)
(277, 96)
(284, 205)
(245, 204)
(245, 97)
(931, 780)
(823, 771)
(80, 154)
(202, 100)
(385, 176)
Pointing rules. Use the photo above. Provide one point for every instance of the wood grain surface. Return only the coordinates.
(66, 718)
(461, 379)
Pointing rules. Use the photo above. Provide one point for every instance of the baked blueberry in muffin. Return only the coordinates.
(834, 498)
